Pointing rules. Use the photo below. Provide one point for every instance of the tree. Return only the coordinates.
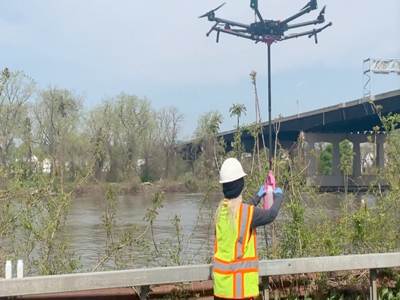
(212, 148)
(169, 124)
(346, 161)
(208, 125)
(325, 161)
(135, 122)
(99, 129)
(57, 113)
(237, 110)
(120, 129)
(27, 142)
(15, 90)
(346, 157)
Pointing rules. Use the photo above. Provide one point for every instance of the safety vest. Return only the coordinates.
(235, 267)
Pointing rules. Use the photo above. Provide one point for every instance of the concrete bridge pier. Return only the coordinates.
(356, 140)
(336, 180)
(357, 157)
(380, 158)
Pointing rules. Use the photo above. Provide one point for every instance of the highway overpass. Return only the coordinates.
(352, 120)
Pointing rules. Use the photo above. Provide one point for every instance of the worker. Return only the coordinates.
(235, 267)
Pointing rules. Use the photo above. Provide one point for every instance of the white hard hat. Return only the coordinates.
(231, 170)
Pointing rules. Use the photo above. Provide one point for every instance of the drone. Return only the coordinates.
(267, 31)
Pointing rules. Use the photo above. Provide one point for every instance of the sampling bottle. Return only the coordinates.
(8, 269)
(20, 269)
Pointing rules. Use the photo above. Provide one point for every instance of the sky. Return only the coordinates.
(159, 50)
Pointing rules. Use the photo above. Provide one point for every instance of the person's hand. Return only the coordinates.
(278, 191)
(261, 192)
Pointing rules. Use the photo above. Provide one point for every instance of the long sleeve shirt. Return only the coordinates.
(262, 217)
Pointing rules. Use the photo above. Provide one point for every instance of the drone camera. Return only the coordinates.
(254, 4)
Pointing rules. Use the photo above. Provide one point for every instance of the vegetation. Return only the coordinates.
(325, 158)
(238, 109)
(50, 148)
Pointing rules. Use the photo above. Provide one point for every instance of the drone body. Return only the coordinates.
(267, 31)
(267, 28)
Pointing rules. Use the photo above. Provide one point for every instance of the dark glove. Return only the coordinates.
(278, 191)
(261, 192)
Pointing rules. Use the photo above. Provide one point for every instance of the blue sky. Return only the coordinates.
(158, 49)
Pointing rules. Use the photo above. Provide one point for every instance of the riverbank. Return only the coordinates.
(166, 186)
(130, 188)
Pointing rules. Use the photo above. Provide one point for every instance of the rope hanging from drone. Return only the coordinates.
(268, 32)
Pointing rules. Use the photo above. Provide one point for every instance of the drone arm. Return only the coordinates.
(232, 23)
(259, 15)
(239, 34)
(315, 31)
(310, 33)
(314, 22)
(296, 35)
(299, 14)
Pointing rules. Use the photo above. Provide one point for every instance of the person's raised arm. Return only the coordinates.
(257, 197)
(263, 217)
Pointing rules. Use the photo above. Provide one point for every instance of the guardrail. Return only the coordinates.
(146, 277)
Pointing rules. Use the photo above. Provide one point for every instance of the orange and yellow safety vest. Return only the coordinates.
(235, 267)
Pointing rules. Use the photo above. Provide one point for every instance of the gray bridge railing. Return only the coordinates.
(146, 277)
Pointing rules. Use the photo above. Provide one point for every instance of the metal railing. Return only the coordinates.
(146, 277)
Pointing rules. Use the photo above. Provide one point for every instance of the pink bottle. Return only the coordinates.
(269, 187)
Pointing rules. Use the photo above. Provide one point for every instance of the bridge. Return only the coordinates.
(353, 120)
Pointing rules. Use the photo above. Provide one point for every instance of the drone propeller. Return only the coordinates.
(211, 13)
(312, 5)
(321, 17)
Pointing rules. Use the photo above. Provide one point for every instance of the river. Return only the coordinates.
(88, 237)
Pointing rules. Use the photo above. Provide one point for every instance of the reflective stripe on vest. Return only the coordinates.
(242, 233)
(238, 285)
(235, 266)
